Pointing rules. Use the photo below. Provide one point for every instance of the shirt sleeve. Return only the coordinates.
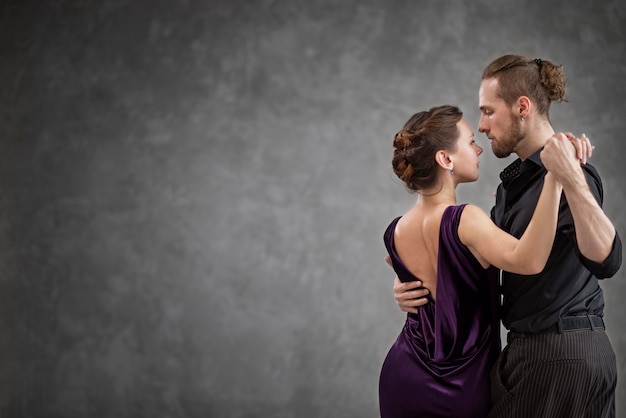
(613, 262)
(610, 265)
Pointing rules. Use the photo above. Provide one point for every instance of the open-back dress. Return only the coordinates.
(439, 365)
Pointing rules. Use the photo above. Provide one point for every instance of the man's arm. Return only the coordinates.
(409, 295)
(595, 233)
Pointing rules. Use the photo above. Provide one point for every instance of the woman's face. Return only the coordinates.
(465, 158)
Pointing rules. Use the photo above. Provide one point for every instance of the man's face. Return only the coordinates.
(497, 120)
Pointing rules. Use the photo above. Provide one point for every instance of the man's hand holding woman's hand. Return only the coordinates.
(562, 155)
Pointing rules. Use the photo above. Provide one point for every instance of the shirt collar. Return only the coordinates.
(516, 167)
(535, 158)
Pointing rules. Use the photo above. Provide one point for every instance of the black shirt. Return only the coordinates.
(568, 285)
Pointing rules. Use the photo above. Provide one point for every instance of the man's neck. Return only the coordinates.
(534, 140)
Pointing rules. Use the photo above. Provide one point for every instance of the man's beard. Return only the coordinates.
(506, 144)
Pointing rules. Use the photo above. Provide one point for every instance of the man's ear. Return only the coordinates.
(524, 106)
(444, 160)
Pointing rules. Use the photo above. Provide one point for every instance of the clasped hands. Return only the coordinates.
(562, 155)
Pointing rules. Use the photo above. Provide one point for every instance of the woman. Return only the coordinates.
(439, 365)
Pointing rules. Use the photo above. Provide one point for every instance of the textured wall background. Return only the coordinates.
(193, 193)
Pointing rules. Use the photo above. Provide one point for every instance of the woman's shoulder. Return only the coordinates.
(457, 211)
(472, 217)
(471, 210)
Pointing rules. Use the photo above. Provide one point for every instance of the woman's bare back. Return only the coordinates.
(417, 242)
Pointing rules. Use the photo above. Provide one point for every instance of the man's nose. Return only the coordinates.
(482, 125)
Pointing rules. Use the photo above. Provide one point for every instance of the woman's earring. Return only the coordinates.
(452, 171)
(523, 119)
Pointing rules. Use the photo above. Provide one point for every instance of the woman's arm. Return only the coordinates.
(529, 254)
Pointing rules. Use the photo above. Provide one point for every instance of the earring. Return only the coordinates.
(523, 119)
(452, 171)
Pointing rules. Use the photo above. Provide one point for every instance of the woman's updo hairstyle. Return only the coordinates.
(416, 144)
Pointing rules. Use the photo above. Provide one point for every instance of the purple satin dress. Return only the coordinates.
(439, 365)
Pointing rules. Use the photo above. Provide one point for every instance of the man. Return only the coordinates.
(558, 361)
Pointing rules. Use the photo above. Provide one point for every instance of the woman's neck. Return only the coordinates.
(443, 196)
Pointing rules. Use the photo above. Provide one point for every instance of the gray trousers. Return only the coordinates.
(572, 374)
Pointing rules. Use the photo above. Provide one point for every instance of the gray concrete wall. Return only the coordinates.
(193, 193)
